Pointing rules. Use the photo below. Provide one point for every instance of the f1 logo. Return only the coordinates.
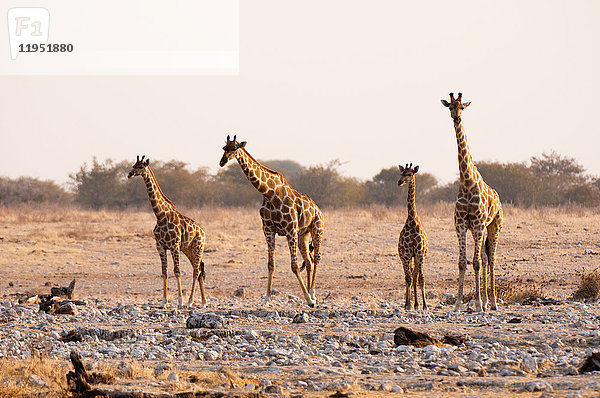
(27, 26)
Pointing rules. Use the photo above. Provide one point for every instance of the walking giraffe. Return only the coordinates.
(412, 244)
(477, 207)
(285, 212)
(174, 232)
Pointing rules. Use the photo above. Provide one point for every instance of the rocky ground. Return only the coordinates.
(282, 346)
(294, 349)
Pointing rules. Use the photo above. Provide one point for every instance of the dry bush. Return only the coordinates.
(512, 289)
(15, 373)
(589, 286)
(515, 289)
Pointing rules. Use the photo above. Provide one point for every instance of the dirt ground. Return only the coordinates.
(112, 256)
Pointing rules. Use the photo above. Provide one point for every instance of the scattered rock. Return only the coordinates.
(37, 381)
(514, 320)
(206, 320)
(241, 292)
(273, 389)
(300, 318)
(66, 308)
(591, 363)
(174, 377)
(72, 335)
(529, 365)
(533, 386)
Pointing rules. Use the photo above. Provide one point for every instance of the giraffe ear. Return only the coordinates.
(400, 167)
(147, 162)
(241, 144)
(446, 103)
(416, 170)
(465, 104)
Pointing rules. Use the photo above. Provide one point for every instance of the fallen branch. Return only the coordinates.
(80, 382)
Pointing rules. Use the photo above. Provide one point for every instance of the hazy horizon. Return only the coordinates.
(349, 80)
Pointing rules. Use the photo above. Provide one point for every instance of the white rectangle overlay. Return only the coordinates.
(134, 37)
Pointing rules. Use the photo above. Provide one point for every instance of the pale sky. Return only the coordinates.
(359, 81)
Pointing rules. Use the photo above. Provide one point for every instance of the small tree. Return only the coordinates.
(383, 187)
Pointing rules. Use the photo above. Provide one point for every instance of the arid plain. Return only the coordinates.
(112, 256)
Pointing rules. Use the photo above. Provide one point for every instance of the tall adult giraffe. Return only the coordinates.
(477, 208)
(174, 232)
(285, 212)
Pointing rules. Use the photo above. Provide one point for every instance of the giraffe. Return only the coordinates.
(412, 244)
(477, 208)
(285, 212)
(174, 232)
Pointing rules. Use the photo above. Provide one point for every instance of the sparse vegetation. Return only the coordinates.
(547, 180)
(515, 289)
(16, 377)
(589, 286)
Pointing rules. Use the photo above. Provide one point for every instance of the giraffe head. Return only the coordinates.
(140, 168)
(230, 150)
(456, 106)
(407, 174)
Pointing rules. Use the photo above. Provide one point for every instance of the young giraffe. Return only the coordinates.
(412, 243)
(285, 212)
(174, 232)
(477, 207)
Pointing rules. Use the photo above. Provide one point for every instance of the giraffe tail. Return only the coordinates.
(311, 250)
(486, 252)
(202, 275)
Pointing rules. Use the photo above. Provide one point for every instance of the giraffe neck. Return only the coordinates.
(410, 199)
(159, 202)
(465, 162)
(257, 174)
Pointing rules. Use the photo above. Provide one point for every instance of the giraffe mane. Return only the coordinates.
(159, 188)
(265, 167)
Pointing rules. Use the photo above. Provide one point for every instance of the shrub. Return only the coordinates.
(27, 190)
(589, 286)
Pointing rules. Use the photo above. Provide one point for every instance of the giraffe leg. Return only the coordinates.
(196, 259)
(461, 232)
(484, 274)
(201, 278)
(419, 277)
(162, 252)
(415, 278)
(478, 240)
(317, 239)
(303, 243)
(177, 272)
(493, 233)
(292, 243)
(270, 237)
(408, 281)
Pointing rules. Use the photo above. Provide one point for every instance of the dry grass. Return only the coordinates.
(589, 286)
(14, 377)
(515, 289)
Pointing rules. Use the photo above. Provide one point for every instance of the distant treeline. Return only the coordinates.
(547, 180)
